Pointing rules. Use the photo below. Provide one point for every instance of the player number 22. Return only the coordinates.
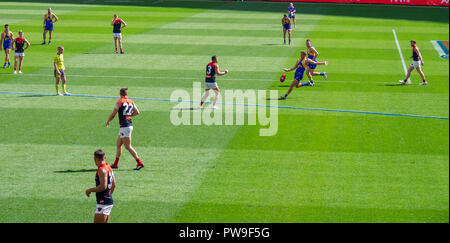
(128, 109)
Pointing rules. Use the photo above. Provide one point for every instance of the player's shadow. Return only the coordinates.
(392, 85)
(31, 96)
(76, 171)
(184, 109)
(269, 44)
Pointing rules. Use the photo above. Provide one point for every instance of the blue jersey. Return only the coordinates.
(300, 69)
(7, 40)
(126, 108)
(291, 12)
(311, 55)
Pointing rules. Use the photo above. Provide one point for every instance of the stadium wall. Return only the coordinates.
(396, 2)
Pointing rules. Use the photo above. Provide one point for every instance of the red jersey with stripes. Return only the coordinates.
(126, 109)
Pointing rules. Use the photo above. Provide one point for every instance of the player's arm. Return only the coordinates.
(218, 72)
(316, 63)
(102, 175)
(28, 44)
(1, 41)
(55, 65)
(123, 24)
(113, 185)
(56, 18)
(113, 114)
(316, 53)
(13, 45)
(135, 110)
(292, 68)
(43, 22)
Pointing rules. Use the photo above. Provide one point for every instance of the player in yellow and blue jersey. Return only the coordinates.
(286, 23)
(312, 54)
(301, 65)
(49, 19)
(291, 13)
(6, 40)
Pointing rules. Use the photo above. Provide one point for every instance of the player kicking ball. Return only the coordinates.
(210, 81)
(126, 109)
(415, 64)
(301, 65)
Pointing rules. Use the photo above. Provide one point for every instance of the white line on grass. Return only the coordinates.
(401, 55)
(186, 78)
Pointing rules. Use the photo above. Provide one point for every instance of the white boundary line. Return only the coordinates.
(182, 78)
(401, 55)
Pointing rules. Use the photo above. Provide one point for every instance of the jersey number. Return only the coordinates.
(208, 69)
(127, 109)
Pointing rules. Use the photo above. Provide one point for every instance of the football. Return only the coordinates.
(282, 78)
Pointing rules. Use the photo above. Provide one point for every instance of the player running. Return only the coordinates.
(210, 81)
(105, 183)
(312, 54)
(6, 39)
(286, 23)
(291, 12)
(126, 109)
(416, 63)
(19, 51)
(49, 19)
(60, 70)
(301, 65)
(117, 31)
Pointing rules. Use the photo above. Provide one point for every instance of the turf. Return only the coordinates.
(321, 166)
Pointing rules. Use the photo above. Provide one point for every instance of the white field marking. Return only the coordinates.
(401, 55)
(438, 48)
(188, 78)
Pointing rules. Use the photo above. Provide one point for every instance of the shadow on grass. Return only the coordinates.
(76, 171)
(403, 12)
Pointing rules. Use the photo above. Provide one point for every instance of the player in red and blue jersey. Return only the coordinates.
(105, 183)
(126, 109)
(49, 19)
(118, 24)
(212, 69)
(19, 51)
(416, 63)
(300, 66)
(6, 42)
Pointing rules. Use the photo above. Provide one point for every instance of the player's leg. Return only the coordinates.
(50, 36)
(216, 98)
(127, 145)
(290, 30)
(101, 218)
(63, 79)
(15, 63)
(419, 70)
(44, 35)
(8, 56)
(120, 44)
(408, 74)
(115, 43)
(284, 35)
(293, 84)
(205, 96)
(57, 78)
(20, 63)
(119, 144)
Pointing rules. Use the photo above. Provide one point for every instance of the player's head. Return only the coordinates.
(308, 43)
(413, 42)
(123, 92)
(99, 157)
(6, 26)
(20, 33)
(284, 15)
(291, 4)
(60, 49)
(49, 10)
(116, 16)
(303, 54)
(214, 59)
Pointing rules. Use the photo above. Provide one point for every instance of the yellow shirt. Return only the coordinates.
(59, 60)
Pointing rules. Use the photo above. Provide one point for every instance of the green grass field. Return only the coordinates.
(321, 166)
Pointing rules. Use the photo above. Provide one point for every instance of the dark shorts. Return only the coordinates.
(49, 27)
(287, 26)
(313, 66)
(62, 73)
(6, 44)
